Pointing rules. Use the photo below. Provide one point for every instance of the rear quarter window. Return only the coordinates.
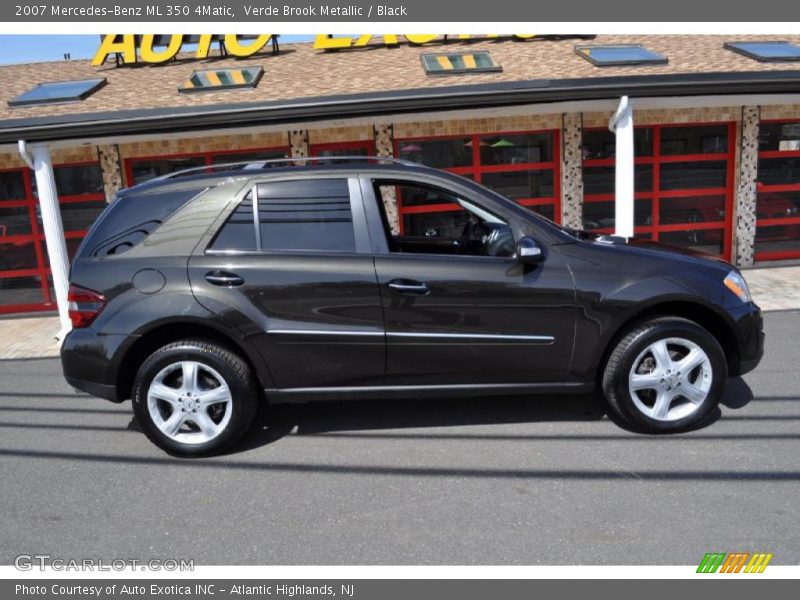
(130, 219)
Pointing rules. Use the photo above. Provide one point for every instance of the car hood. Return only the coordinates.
(651, 248)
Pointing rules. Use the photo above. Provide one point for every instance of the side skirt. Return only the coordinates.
(423, 391)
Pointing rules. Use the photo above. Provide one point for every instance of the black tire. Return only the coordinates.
(631, 344)
(237, 375)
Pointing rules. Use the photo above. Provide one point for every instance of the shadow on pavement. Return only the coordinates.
(326, 418)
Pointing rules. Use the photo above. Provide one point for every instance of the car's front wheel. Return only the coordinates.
(194, 398)
(666, 374)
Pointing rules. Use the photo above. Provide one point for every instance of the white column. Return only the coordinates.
(622, 125)
(53, 228)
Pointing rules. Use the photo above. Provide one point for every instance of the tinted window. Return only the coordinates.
(313, 214)
(782, 137)
(12, 186)
(130, 218)
(238, 232)
(710, 139)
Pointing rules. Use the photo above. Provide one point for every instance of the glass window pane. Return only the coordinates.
(517, 185)
(15, 221)
(709, 241)
(410, 195)
(76, 180)
(306, 215)
(778, 205)
(767, 51)
(600, 215)
(777, 238)
(601, 180)
(238, 232)
(601, 143)
(624, 54)
(15, 256)
(694, 175)
(516, 149)
(779, 136)
(79, 216)
(143, 170)
(21, 290)
(695, 209)
(12, 186)
(59, 91)
(710, 139)
(779, 171)
(444, 224)
(442, 154)
(547, 211)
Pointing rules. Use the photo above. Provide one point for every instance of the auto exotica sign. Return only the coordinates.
(154, 49)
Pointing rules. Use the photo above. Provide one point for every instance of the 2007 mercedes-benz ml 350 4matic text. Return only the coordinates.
(200, 294)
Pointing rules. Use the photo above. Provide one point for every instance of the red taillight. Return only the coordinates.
(84, 306)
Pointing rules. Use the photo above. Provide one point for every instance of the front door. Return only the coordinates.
(458, 306)
(301, 285)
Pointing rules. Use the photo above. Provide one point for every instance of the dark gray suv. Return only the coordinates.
(201, 294)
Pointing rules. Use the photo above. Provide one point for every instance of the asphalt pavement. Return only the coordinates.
(486, 481)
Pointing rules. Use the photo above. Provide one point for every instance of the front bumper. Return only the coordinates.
(750, 338)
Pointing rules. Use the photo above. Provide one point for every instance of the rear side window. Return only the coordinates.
(307, 215)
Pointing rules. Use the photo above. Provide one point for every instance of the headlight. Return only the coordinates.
(736, 283)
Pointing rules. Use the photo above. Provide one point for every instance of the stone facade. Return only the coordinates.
(745, 204)
(572, 171)
(298, 143)
(384, 146)
(332, 135)
(384, 140)
(112, 170)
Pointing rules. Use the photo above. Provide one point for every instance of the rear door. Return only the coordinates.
(301, 284)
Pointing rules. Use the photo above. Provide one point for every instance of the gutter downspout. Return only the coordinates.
(38, 159)
(621, 123)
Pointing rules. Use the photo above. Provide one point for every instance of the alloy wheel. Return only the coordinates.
(670, 379)
(189, 402)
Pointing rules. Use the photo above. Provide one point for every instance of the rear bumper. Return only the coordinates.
(101, 390)
(90, 362)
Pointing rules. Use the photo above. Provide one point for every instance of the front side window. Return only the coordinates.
(310, 215)
(440, 222)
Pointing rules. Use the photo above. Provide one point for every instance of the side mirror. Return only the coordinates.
(528, 251)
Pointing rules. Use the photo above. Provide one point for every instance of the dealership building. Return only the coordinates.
(714, 123)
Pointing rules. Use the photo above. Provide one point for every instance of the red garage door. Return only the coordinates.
(25, 283)
(684, 178)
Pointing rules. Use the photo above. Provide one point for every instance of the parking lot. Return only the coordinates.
(489, 481)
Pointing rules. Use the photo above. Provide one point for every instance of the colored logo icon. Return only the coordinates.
(735, 562)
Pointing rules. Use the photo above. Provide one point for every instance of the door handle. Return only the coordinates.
(409, 286)
(224, 278)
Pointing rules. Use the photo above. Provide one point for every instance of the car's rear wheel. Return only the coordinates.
(666, 374)
(194, 398)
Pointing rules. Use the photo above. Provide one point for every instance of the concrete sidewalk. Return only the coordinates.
(773, 288)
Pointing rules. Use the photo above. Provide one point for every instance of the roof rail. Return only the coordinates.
(291, 161)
